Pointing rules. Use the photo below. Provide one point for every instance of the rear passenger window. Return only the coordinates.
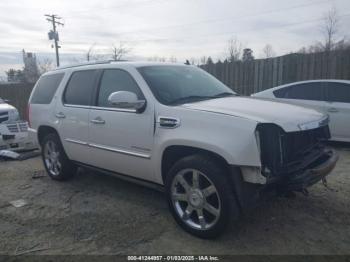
(338, 92)
(80, 87)
(114, 80)
(308, 91)
(46, 88)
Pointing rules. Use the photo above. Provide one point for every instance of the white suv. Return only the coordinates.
(177, 128)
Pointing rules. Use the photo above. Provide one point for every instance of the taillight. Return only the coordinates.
(28, 114)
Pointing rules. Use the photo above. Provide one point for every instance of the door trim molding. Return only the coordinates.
(107, 148)
(74, 141)
(121, 151)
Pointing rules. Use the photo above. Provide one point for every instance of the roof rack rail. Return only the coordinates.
(90, 63)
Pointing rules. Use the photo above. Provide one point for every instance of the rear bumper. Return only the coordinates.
(310, 176)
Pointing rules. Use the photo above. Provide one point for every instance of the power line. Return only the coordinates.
(53, 34)
(236, 18)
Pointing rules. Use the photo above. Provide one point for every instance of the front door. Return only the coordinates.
(121, 140)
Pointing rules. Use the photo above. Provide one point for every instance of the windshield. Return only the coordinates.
(173, 85)
(1, 101)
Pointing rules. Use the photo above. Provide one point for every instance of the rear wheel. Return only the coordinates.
(200, 196)
(56, 162)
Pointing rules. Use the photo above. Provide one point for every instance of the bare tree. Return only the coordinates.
(45, 65)
(94, 55)
(268, 51)
(89, 54)
(234, 49)
(330, 28)
(119, 51)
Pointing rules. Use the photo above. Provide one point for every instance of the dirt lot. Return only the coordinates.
(97, 214)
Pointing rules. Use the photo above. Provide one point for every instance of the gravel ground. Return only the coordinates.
(99, 214)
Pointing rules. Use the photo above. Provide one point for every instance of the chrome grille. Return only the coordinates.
(3, 118)
(17, 127)
(13, 128)
(23, 127)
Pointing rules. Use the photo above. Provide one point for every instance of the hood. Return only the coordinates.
(6, 107)
(289, 117)
(8, 113)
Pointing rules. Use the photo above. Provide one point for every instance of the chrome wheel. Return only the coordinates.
(51, 157)
(195, 199)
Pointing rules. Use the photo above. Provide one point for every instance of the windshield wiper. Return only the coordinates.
(189, 99)
(224, 94)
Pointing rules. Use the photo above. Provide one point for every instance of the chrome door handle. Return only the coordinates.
(60, 115)
(98, 120)
(333, 110)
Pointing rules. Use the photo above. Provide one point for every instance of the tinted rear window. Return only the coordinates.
(338, 92)
(80, 87)
(46, 88)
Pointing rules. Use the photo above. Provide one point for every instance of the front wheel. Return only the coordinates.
(56, 162)
(200, 196)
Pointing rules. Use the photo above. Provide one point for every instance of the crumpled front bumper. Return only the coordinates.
(300, 181)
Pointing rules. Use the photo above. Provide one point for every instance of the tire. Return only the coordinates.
(55, 160)
(201, 208)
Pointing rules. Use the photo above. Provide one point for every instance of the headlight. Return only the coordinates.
(315, 124)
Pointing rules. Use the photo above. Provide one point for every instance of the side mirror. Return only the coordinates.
(126, 100)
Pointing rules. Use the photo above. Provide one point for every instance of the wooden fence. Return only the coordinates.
(243, 77)
(254, 76)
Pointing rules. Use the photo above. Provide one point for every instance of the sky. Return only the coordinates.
(162, 28)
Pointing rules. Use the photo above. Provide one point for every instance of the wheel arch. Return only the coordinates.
(243, 191)
(43, 131)
(173, 153)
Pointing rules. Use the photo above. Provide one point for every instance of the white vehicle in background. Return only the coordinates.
(331, 97)
(8, 113)
(13, 131)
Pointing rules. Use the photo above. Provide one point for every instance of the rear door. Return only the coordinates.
(72, 114)
(338, 108)
(121, 140)
(43, 100)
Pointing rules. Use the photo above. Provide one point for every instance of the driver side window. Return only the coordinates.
(114, 80)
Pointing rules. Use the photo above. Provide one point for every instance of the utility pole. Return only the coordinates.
(53, 34)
